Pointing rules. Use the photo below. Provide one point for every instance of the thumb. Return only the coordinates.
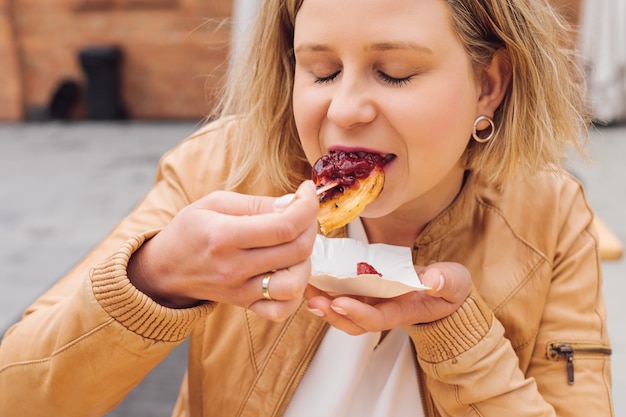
(306, 190)
(447, 280)
(236, 204)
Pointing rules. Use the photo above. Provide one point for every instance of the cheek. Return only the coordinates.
(447, 119)
(437, 131)
(309, 113)
(299, 111)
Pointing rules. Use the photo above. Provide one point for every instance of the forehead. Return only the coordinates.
(374, 21)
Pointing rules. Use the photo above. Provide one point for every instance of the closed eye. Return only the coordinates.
(325, 80)
(393, 80)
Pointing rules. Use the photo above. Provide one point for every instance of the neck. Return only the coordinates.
(404, 225)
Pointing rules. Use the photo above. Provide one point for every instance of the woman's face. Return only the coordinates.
(391, 77)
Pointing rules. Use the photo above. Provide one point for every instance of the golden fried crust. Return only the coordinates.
(344, 207)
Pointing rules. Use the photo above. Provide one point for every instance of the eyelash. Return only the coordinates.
(326, 80)
(396, 82)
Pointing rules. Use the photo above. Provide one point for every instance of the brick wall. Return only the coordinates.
(173, 52)
(11, 106)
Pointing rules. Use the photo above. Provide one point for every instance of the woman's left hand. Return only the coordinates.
(450, 283)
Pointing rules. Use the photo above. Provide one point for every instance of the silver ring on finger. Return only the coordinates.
(265, 287)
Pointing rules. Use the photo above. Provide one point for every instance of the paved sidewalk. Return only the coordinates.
(64, 186)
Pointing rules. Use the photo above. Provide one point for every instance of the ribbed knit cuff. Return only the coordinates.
(455, 334)
(132, 308)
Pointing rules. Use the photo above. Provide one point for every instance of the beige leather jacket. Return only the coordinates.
(531, 339)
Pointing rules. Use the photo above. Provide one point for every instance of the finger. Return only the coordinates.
(372, 318)
(383, 314)
(276, 310)
(279, 226)
(262, 259)
(283, 201)
(283, 284)
(312, 291)
(322, 306)
(229, 262)
(447, 280)
(237, 204)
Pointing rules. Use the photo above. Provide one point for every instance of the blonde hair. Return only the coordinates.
(258, 92)
(541, 116)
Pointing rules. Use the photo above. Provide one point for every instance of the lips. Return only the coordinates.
(345, 167)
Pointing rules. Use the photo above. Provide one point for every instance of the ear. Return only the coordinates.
(495, 81)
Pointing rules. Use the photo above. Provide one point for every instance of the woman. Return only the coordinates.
(473, 105)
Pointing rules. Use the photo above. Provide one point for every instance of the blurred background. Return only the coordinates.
(111, 59)
(165, 59)
(92, 92)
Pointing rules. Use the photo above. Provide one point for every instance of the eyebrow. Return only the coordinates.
(315, 47)
(378, 46)
(389, 46)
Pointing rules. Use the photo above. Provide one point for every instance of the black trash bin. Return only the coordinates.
(101, 66)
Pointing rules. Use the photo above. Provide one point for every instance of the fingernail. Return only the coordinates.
(338, 310)
(316, 312)
(283, 201)
(312, 185)
(442, 282)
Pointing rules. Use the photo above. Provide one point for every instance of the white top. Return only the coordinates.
(355, 376)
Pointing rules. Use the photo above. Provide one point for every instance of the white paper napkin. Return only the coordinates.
(334, 263)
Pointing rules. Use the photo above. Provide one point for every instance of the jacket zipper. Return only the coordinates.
(567, 351)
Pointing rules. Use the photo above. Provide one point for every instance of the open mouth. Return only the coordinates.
(346, 183)
(344, 168)
(384, 158)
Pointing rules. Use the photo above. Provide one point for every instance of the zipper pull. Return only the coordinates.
(567, 352)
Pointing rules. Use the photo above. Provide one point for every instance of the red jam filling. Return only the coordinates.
(365, 268)
(344, 168)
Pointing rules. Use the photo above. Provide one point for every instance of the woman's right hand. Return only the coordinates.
(222, 246)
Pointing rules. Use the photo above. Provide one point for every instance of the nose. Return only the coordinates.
(351, 105)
